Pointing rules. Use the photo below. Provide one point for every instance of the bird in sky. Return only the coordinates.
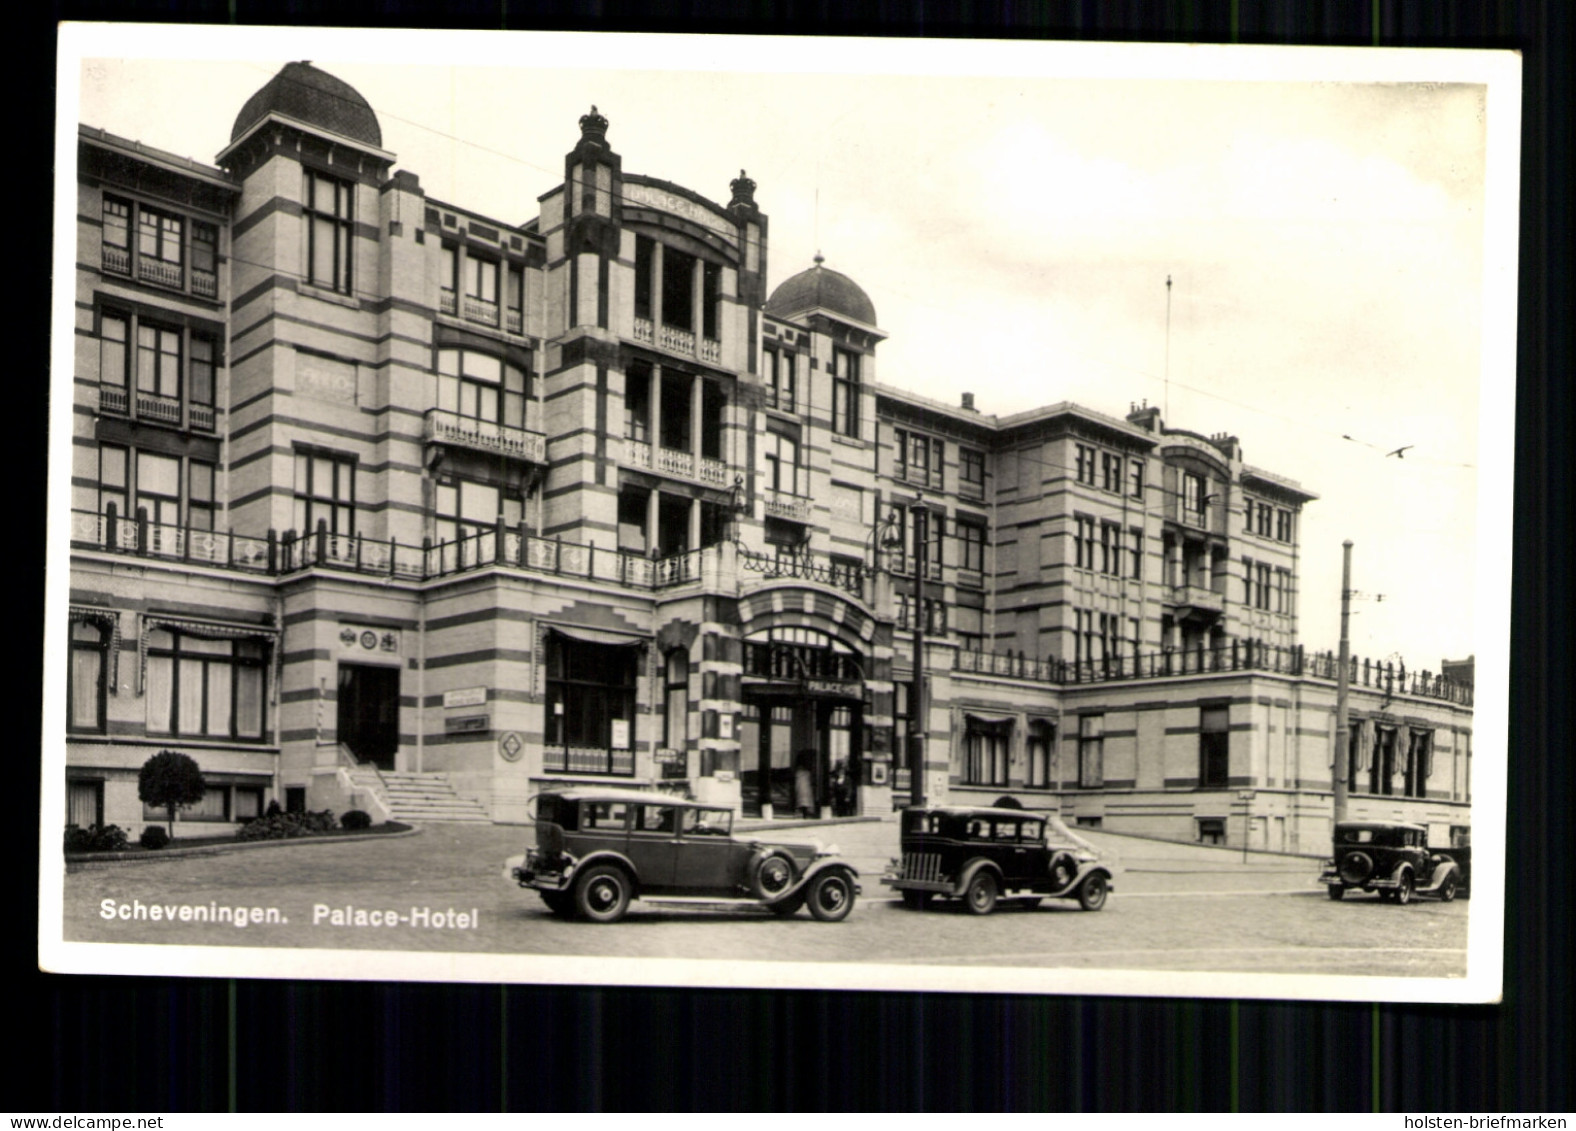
(1397, 453)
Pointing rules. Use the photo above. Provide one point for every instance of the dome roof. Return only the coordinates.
(303, 92)
(824, 288)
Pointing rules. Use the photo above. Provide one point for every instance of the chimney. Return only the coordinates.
(968, 403)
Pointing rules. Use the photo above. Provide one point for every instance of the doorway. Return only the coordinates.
(368, 716)
(800, 753)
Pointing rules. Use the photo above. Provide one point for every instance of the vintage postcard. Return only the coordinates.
(780, 513)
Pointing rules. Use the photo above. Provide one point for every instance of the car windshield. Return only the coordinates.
(707, 822)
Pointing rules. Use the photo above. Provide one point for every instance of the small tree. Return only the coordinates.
(170, 779)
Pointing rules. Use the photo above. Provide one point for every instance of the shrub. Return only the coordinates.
(95, 838)
(286, 826)
(154, 837)
(170, 779)
(356, 819)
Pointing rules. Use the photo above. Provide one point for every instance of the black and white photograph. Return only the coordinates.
(778, 512)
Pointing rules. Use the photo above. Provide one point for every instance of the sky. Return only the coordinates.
(1336, 245)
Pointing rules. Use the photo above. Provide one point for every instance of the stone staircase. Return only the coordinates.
(419, 797)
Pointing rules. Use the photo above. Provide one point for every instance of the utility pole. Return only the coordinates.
(916, 693)
(1342, 726)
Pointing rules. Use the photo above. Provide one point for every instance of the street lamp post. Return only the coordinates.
(1342, 726)
(916, 695)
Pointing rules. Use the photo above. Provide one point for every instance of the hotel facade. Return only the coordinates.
(380, 503)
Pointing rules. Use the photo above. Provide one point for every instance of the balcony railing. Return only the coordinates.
(1237, 656)
(780, 504)
(202, 417)
(152, 406)
(1198, 597)
(480, 310)
(677, 340)
(165, 274)
(679, 464)
(804, 565)
(516, 321)
(205, 284)
(645, 331)
(113, 399)
(710, 350)
(117, 259)
(488, 436)
(448, 302)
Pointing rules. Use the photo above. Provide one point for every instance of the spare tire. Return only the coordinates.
(1356, 867)
(771, 874)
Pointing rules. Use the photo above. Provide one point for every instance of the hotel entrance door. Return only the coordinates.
(800, 755)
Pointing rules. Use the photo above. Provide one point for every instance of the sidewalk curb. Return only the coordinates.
(93, 861)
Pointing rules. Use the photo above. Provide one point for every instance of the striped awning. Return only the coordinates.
(110, 619)
(207, 629)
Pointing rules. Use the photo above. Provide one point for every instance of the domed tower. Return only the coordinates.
(321, 260)
(842, 322)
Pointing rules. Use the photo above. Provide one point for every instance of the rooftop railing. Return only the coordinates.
(1389, 677)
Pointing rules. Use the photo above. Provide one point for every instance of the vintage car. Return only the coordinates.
(981, 855)
(597, 849)
(1393, 859)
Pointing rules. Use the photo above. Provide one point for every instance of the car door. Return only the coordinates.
(654, 845)
(709, 861)
(1011, 853)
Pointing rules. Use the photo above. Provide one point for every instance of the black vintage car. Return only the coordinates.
(981, 855)
(1393, 859)
(597, 849)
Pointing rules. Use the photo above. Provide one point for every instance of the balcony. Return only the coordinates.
(117, 259)
(645, 331)
(113, 399)
(675, 463)
(516, 321)
(205, 284)
(485, 436)
(780, 504)
(480, 310)
(673, 339)
(448, 302)
(1196, 600)
(202, 417)
(677, 340)
(165, 274)
(162, 410)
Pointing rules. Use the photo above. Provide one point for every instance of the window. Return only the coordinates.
(1085, 456)
(325, 490)
(199, 686)
(205, 259)
(1039, 748)
(113, 362)
(328, 211)
(845, 392)
(782, 463)
(1212, 830)
(645, 258)
(1419, 762)
(1282, 590)
(676, 709)
(633, 512)
(1111, 549)
(1193, 496)
(1282, 525)
(711, 300)
(1214, 747)
(1249, 598)
(84, 802)
(463, 509)
(779, 380)
(160, 237)
(938, 457)
(1091, 751)
(214, 806)
(971, 471)
(1381, 767)
(159, 488)
(1135, 478)
(449, 279)
(1135, 539)
(590, 702)
(985, 752)
(971, 546)
(1096, 638)
(637, 403)
(112, 478)
(481, 289)
(479, 386)
(85, 678)
(678, 289)
(1111, 472)
(1083, 542)
(199, 495)
(1264, 511)
(159, 365)
(1261, 586)
(516, 300)
(201, 392)
(117, 235)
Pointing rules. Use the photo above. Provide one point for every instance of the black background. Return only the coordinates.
(128, 1045)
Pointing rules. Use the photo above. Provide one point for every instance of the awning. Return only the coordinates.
(598, 636)
(989, 722)
(105, 618)
(208, 629)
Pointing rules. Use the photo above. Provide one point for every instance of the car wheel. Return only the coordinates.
(1091, 896)
(980, 898)
(786, 907)
(1403, 894)
(916, 900)
(1336, 891)
(772, 875)
(558, 902)
(1063, 870)
(603, 894)
(831, 896)
(1447, 890)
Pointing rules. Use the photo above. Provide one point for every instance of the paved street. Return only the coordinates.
(1176, 907)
